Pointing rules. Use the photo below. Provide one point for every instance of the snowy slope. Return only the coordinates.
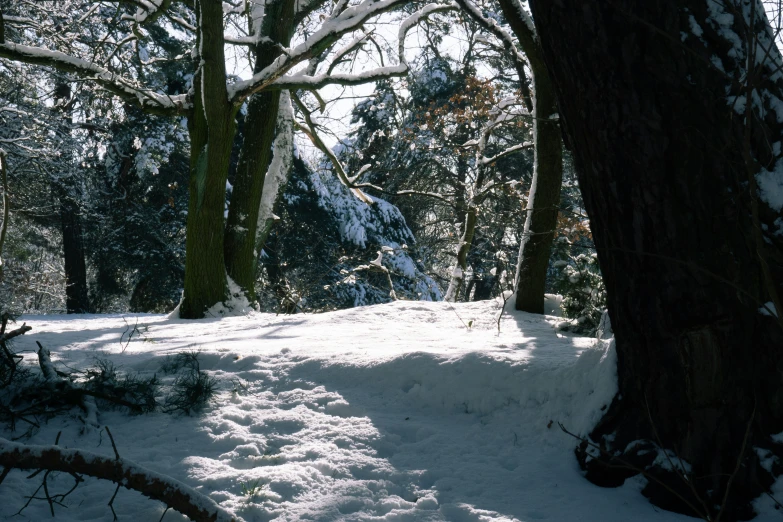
(392, 412)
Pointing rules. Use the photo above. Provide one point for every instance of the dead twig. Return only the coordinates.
(113, 445)
(502, 308)
(133, 331)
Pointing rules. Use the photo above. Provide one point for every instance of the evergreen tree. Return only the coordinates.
(331, 250)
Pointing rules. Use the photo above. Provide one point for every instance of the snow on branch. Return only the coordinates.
(148, 11)
(321, 80)
(157, 486)
(312, 82)
(414, 19)
(122, 87)
(279, 168)
(433, 195)
(6, 206)
(511, 150)
(490, 25)
(312, 66)
(526, 19)
(332, 30)
(354, 45)
(506, 112)
(246, 40)
(181, 22)
(18, 20)
(309, 129)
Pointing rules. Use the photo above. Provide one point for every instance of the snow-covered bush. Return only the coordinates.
(330, 250)
(582, 287)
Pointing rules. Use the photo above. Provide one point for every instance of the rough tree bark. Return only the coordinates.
(675, 174)
(241, 248)
(544, 198)
(211, 126)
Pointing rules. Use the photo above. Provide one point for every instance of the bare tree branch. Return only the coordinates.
(148, 100)
(130, 475)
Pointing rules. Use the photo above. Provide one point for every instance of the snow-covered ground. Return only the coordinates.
(406, 411)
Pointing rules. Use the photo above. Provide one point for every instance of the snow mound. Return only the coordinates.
(407, 411)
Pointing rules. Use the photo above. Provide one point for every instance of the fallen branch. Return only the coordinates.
(174, 494)
(15, 333)
(58, 383)
(7, 357)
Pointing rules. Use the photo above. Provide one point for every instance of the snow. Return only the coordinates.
(770, 184)
(331, 30)
(390, 412)
(414, 19)
(103, 76)
(359, 222)
(280, 166)
(257, 12)
(236, 304)
(768, 308)
(695, 27)
(304, 81)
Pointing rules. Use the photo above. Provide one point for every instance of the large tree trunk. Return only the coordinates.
(211, 126)
(76, 299)
(241, 248)
(670, 169)
(543, 202)
(66, 189)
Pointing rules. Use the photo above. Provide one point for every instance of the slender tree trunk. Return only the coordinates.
(241, 248)
(675, 173)
(544, 198)
(465, 242)
(462, 213)
(211, 126)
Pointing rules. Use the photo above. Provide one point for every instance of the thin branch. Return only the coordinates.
(511, 150)
(113, 445)
(311, 133)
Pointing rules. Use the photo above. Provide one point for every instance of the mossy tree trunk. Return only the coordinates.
(211, 125)
(669, 159)
(242, 243)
